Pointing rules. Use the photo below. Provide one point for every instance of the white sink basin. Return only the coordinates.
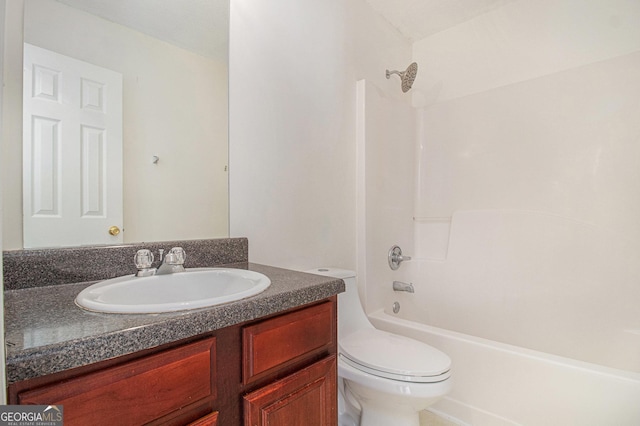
(194, 288)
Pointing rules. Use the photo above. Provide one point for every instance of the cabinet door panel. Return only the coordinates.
(287, 339)
(136, 392)
(307, 397)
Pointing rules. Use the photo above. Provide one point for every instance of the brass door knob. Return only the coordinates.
(114, 230)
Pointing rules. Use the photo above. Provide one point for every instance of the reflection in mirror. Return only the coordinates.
(174, 108)
(72, 151)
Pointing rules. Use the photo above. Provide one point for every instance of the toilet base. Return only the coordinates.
(348, 407)
(357, 413)
(366, 400)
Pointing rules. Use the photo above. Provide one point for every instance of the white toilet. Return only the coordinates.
(383, 378)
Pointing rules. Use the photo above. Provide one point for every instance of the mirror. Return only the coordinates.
(173, 57)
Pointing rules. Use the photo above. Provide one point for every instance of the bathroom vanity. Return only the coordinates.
(269, 359)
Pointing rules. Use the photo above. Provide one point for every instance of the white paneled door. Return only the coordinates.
(72, 151)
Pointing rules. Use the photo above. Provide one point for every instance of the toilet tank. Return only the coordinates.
(351, 316)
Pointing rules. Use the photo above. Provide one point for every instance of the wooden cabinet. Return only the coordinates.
(136, 392)
(306, 397)
(279, 371)
(272, 344)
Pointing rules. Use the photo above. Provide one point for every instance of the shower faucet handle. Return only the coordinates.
(395, 257)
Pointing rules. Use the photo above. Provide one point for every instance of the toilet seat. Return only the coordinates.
(394, 357)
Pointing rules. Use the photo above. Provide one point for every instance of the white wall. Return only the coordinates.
(293, 70)
(158, 120)
(527, 202)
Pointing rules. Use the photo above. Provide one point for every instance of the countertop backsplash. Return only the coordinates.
(44, 267)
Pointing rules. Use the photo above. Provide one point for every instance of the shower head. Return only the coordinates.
(407, 76)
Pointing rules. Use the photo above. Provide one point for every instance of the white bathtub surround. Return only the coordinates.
(525, 235)
(561, 143)
(385, 164)
(535, 280)
(499, 385)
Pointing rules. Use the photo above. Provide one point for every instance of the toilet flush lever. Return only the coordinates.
(396, 257)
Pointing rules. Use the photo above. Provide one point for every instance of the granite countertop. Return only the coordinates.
(47, 333)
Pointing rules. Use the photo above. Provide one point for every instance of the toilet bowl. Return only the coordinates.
(383, 378)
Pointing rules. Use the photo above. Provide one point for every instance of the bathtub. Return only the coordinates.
(499, 384)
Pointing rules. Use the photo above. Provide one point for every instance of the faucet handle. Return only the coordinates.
(143, 259)
(176, 256)
(395, 257)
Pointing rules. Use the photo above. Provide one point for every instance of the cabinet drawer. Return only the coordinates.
(287, 339)
(136, 392)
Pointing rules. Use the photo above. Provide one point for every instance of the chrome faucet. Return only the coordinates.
(173, 261)
(400, 286)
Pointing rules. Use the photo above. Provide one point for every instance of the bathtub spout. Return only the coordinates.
(400, 286)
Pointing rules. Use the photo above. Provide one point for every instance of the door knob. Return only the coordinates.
(114, 230)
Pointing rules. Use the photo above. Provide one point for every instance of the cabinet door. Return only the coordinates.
(137, 392)
(294, 338)
(307, 397)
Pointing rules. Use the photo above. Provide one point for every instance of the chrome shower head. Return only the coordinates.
(407, 76)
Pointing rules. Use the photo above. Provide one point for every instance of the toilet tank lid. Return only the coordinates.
(333, 272)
